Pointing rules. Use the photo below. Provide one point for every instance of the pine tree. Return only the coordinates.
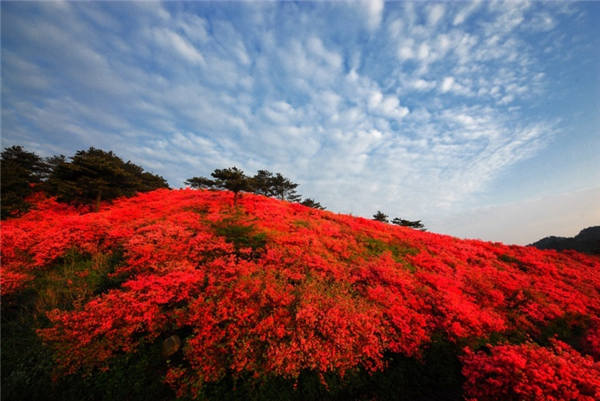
(284, 189)
(262, 183)
(312, 203)
(94, 175)
(416, 224)
(380, 216)
(231, 179)
(21, 172)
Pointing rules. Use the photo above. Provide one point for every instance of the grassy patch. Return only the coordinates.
(375, 247)
(242, 235)
(301, 223)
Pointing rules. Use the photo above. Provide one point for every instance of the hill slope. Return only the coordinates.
(275, 299)
(587, 241)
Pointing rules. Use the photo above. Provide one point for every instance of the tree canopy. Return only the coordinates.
(93, 175)
(87, 178)
(312, 203)
(21, 172)
(416, 224)
(276, 185)
(380, 216)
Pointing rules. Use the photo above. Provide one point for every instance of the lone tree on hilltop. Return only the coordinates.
(380, 216)
(416, 224)
(94, 175)
(21, 172)
(232, 179)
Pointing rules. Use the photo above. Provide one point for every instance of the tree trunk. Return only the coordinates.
(98, 198)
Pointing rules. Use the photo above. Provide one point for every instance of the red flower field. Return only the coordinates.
(268, 288)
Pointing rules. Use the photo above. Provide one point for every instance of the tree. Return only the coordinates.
(380, 216)
(232, 179)
(21, 172)
(262, 183)
(311, 203)
(284, 189)
(269, 184)
(94, 175)
(200, 183)
(408, 223)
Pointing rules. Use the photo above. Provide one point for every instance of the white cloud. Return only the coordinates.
(541, 21)
(194, 27)
(464, 13)
(315, 45)
(435, 13)
(374, 12)
(447, 84)
(388, 106)
(423, 85)
(171, 40)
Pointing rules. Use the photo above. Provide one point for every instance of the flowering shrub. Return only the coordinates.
(269, 288)
(531, 372)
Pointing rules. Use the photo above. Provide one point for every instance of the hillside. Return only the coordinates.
(587, 241)
(182, 292)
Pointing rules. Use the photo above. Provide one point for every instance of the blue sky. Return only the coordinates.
(482, 119)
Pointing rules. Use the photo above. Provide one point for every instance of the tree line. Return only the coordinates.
(94, 175)
(416, 224)
(87, 178)
(263, 182)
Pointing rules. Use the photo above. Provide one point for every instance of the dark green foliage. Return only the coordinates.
(266, 183)
(261, 183)
(283, 188)
(380, 216)
(312, 203)
(242, 236)
(200, 182)
(93, 175)
(21, 172)
(416, 224)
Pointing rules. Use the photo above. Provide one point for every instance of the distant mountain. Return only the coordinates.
(587, 241)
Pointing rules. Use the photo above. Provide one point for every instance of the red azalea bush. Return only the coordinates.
(267, 287)
(531, 372)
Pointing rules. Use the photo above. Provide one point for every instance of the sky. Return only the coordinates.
(481, 119)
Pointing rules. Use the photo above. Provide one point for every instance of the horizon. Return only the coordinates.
(480, 119)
